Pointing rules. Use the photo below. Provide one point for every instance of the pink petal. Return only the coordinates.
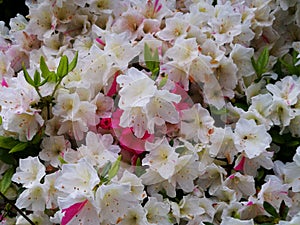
(4, 83)
(240, 166)
(113, 88)
(72, 211)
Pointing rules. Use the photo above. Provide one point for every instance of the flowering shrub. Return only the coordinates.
(151, 112)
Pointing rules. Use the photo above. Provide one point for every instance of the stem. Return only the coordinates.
(16, 208)
(37, 90)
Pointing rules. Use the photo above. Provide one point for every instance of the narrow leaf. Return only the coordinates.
(283, 210)
(44, 68)
(6, 180)
(27, 76)
(37, 78)
(73, 63)
(263, 60)
(270, 209)
(63, 66)
(8, 142)
(19, 147)
(106, 168)
(114, 168)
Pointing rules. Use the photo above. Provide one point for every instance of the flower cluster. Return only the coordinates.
(169, 112)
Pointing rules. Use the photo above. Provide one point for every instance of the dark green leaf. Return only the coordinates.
(263, 219)
(6, 180)
(114, 168)
(27, 76)
(0, 120)
(6, 157)
(63, 67)
(208, 223)
(19, 147)
(283, 210)
(270, 209)
(44, 68)
(37, 78)
(73, 63)
(8, 142)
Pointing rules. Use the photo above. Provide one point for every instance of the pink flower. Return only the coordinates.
(127, 140)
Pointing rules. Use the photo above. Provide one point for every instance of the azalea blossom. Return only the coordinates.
(251, 138)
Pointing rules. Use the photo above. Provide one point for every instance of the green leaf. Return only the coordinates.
(139, 170)
(27, 76)
(61, 160)
(73, 63)
(37, 78)
(147, 56)
(163, 81)
(6, 157)
(106, 168)
(6, 180)
(263, 59)
(0, 120)
(270, 209)
(63, 67)
(44, 68)
(19, 147)
(8, 142)
(114, 168)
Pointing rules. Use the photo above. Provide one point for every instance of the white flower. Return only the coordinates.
(120, 50)
(99, 149)
(230, 220)
(33, 198)
(162, 158)
(176, 27)
(274, 191)
(52, 148)
(157, 211)
(188, 208)
(137, 89)
(135, 215)
(114, 201)
(79, 179)
(137, 188)
(286, 89)
(251, 138)
(243, 185)
(222, 144)
(211, 177)
(161, 109)
(38, 218)
(241, 57)
(184, 51)
(196, 123)
(29, 172)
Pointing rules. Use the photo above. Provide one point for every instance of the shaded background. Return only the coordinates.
(10, 8)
